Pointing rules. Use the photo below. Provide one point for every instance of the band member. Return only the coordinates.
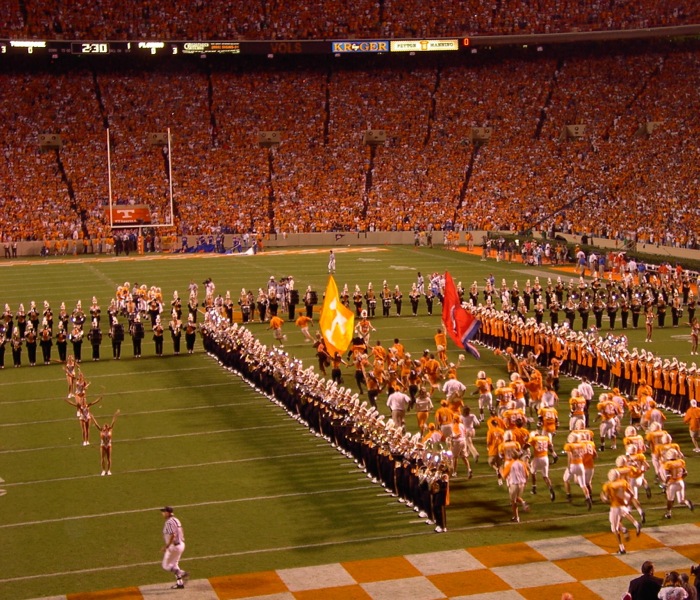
(116, 333)
(158, 336)
(272, 300)
(246, 305)
(95, 338)
(62, 342)
(175, 327)
(262, 305)
(33, 316)
(357, 301)
(345, 296)
(398, 300)
(78, 316)
(176, 304)
(429, 299)
(192, 308)
(76, 339)
(371, 299)
(30, 340)
(95, 311)
(21, 320)
(414, 297)
(190, 334)
(137, 334)
(106, 443)
(228, 307)
(292, 298)
(386, 299)
(46, 341)
(310, 300)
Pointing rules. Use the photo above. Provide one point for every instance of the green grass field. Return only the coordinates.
(254, 489)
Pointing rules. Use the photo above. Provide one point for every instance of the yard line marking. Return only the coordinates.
(170, 468)
(140, 391)
(156, 437)
(182, 506)
(145, 412)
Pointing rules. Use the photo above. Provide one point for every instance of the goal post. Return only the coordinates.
(129, 216)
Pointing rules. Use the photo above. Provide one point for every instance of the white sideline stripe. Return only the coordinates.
(108, 258)
(171, 468)
(120, 394)
(150, 438)
(428, 531)
(62, 377)
(145, 412)
(134, 391)
(181, 506)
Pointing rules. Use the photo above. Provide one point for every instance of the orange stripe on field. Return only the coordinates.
(506, 554)
(248, 584)
(607, 541)
(346, 592)
(554, 592)
(584, 567)
(465, 583)
(692, 551)
(364, 571)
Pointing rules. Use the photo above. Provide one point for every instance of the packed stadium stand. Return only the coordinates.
(319, 19)
(612, 182)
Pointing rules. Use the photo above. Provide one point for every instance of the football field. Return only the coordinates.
(255, 489)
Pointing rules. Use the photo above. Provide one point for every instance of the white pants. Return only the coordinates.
(171, 558)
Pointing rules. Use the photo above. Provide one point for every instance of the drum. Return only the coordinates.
(294, 296)
(313, 298)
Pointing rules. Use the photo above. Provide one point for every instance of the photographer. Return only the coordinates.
(672, 588)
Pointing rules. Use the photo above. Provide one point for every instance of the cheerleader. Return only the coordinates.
(82, 407)
(649, 323)
(106, 443)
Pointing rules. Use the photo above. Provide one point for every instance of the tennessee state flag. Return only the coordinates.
(337, 321)
(459, 323)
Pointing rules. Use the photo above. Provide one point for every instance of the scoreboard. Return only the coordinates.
(57, 48)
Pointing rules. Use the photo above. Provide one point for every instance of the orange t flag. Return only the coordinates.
(337, 321)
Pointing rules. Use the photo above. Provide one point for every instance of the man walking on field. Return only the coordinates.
(174, 538)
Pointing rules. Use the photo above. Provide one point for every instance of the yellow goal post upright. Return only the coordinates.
(139, 215)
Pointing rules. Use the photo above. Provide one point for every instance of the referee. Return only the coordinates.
(174, 538)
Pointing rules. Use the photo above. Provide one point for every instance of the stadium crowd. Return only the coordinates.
(272, 19)
(612, 183)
